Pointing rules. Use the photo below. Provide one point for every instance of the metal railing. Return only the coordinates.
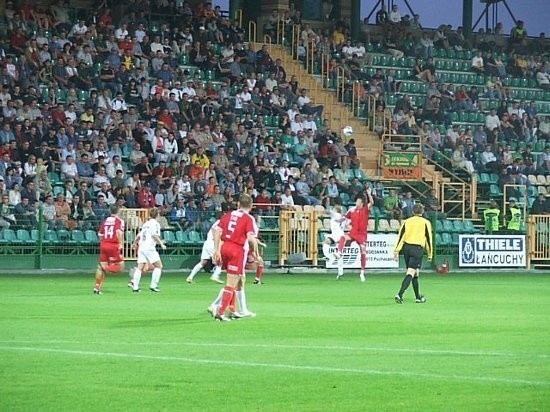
(538, 238)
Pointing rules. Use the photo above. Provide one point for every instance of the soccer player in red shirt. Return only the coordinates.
(236, 232)
(359, 220)
(111, 235)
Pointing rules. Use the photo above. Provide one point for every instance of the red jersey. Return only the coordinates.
(236, 226)
(108, 229)
(359, 220)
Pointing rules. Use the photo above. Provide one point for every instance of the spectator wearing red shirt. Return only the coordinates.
(162, 170)
(196, 171)
(262, 202)
(146, 198)
(58, 115)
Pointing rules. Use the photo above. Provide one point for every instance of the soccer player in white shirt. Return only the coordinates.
(206, 255)
(337, 225)
(147, 240)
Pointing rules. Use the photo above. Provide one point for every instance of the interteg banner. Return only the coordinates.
(379, 253)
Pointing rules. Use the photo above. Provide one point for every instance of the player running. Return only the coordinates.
(359, 220)
(206, 255)
(337, 225)
(111, 235)
(147, 240)
(238, 232)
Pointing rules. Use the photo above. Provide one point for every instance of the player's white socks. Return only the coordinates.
(195, 270)
(217, 272)
(242, 301)
(218, 300)
(340, 266)
(155, 277)
(137, 278)
(326, 249)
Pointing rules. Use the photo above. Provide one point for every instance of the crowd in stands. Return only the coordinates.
(183, 116)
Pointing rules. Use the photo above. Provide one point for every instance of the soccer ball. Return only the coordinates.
(347, 131)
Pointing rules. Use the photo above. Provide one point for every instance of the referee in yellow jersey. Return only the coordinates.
(415, 236)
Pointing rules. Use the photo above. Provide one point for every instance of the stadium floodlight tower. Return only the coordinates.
(492, 8)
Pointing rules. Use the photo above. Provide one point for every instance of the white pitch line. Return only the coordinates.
(304, 347)
(280, 366)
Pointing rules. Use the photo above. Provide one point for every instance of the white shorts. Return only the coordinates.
(147, 256)
(335, 236)
(207, 250)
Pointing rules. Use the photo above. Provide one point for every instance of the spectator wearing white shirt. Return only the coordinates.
(119, 104)
(70, 113)
(395, 16)
(296, 125)
(287, 201)
(492, 124)
(122, 32)
(78, 29)
(69, 170)
(306, 106)
(477, 63)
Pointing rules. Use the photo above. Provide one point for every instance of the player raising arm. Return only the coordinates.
(359, 220)
(147, 240)
(236, 234)
(111, 244)
(415, 235)
(337, 222)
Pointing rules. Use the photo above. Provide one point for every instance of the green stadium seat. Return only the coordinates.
(446, 239)
(168, 236)
(484, 178)
(438, 226)
(448, 226)
(360, 174)
(181, 237)
(8, 236)
(23, 236)
(35, 234)
(91, 236)
(50, 236)
(64, 236)
(494, 191)
(493, 177)
(78, 237)
(194, 237)
(455, 239)
(405, 87)
(438, 239)
(459, 226)
(469, 227)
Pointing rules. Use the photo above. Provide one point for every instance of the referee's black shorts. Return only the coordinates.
(413, 256)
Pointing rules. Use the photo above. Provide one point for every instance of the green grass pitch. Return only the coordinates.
(480, 343)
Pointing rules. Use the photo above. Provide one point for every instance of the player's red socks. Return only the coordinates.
(232, 303)
(259, 272)
(228, 295)
(363, 261)
(341, 244)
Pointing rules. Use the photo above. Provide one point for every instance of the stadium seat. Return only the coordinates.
(78, 236)
(469, 227)
(438, 239)
(446, 239)
(23, 236)
(459, 226)
(194, 237)
(494, 191)
(35, 234)
(91, 236)
(181, 236)
(63, 235)
(541, 180)
(438, 226)
(448, 226)
(168, 236)
(455, 239)
(50, 236)
(8, 236)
